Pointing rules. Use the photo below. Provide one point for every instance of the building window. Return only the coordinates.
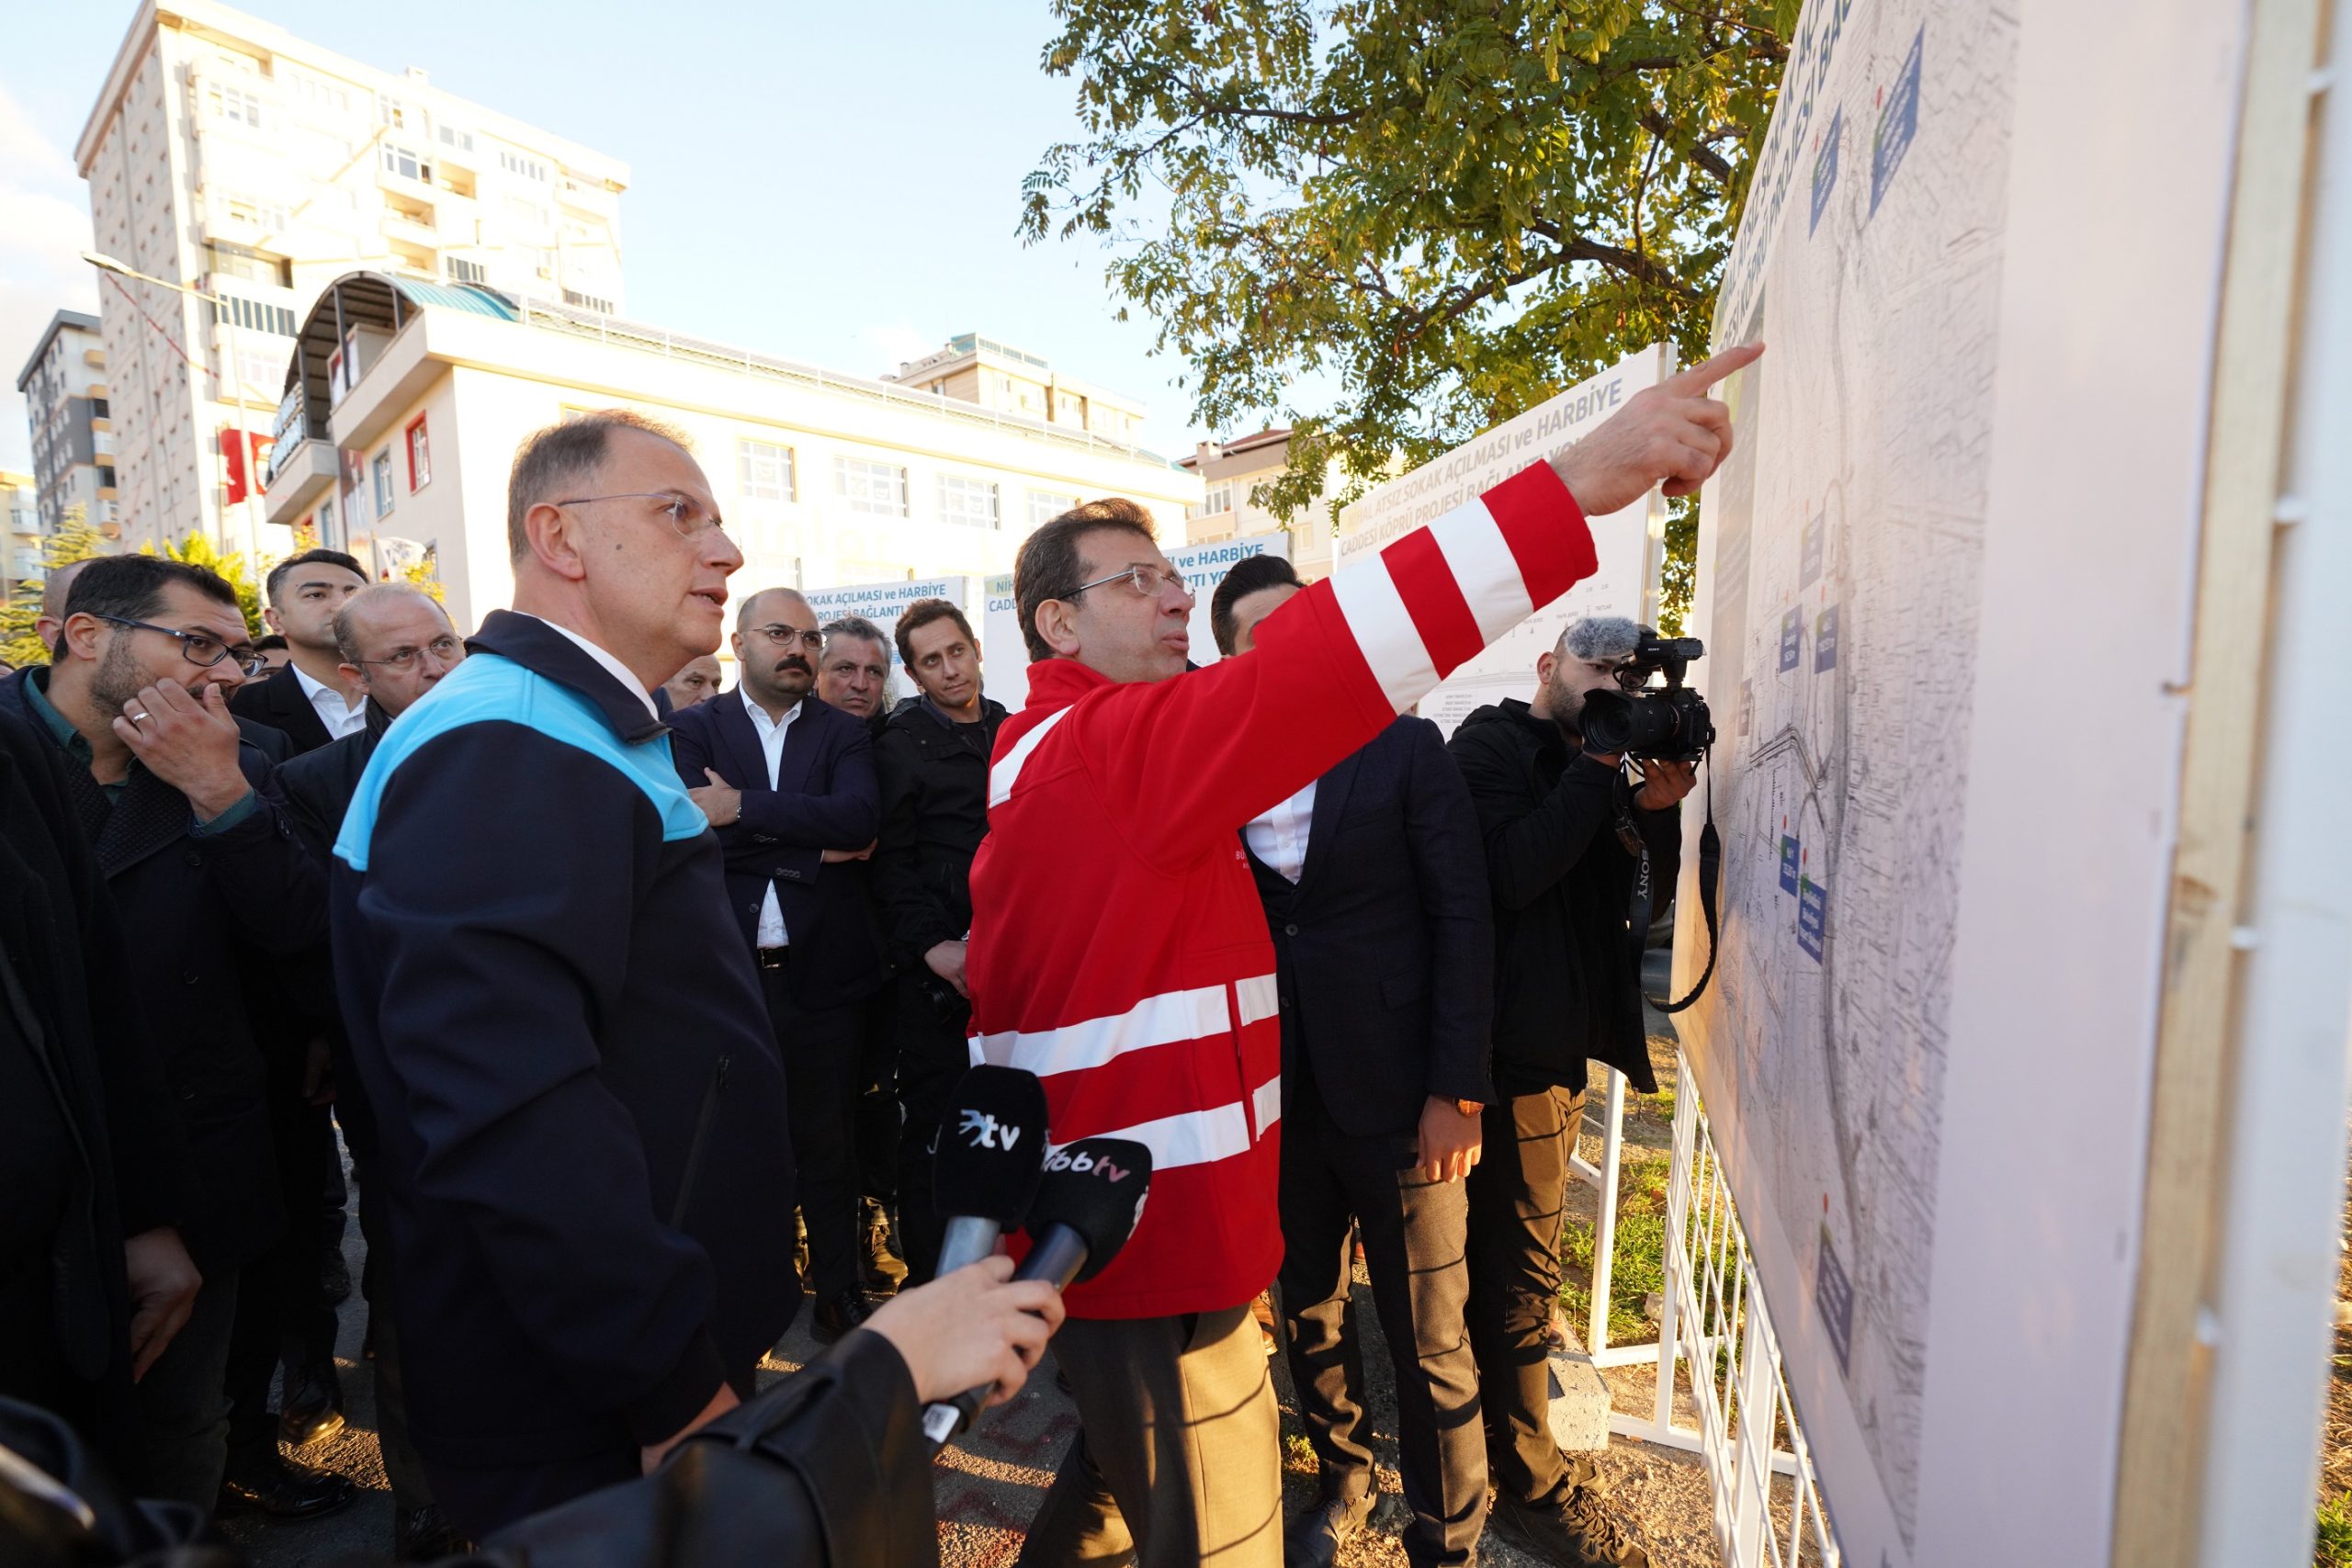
(1044, 505)
(764, 470)
(420, 457)
(528, 168)
(463, 271)
(252, 315)
(878, 490)
(238, 261)
(407, 162)
(1220, 498)
(253, 211)
(383, 471)
(463, 140)
(588, 302)
(971, 502)
(235, 105)
(327, 535)
(392, 111)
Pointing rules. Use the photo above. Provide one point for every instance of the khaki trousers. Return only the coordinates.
(1179, 1461)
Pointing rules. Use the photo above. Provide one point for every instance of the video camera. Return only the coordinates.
(1668, 723)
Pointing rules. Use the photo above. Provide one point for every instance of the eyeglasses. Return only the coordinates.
(785, 636)
(444, 650)
(199, 649)
(1148, 582)
(682, 513)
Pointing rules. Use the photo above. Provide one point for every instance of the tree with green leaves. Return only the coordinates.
(75, 540)
(1450, 210)
(197, 550)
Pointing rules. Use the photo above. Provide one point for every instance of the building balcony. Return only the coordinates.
(297, 480)
(419, 233)
(582, 196)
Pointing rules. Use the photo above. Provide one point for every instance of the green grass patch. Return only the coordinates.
(2334, 1548)
(1639, 1266)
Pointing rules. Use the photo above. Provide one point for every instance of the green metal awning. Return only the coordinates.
(456, 297)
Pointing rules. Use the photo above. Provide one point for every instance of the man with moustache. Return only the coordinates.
(787, 780)
(932, 759)
(589, 1177)
(854, 672)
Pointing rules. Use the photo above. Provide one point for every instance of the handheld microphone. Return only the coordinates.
(1088, 1205)
(988, 1161)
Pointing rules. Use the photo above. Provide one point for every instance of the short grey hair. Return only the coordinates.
(1599, 639)
(346, 622)
(857, 625)
(563, 456)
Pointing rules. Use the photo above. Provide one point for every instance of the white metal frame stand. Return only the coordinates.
(1713, 1321)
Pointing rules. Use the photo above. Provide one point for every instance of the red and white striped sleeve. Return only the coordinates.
(1180, 763)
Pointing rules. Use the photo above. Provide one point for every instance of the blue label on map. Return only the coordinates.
(1788, 864)
(1813, 914)
(1835, 1295)
(1817, 545)
(1825, 170)
(1897, 123)
(1825, 640)
(1792, 638)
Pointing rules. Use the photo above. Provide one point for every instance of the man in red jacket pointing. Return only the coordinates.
(1120, 952)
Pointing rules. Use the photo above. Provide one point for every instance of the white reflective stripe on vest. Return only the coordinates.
(1203, 1137)
(1258, 999)
(1162, 1019)
(1003, 776)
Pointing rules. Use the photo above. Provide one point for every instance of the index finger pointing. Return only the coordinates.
(1706, 373)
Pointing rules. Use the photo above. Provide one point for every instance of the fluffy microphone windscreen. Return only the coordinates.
(1096, 1187)
(991, 1147)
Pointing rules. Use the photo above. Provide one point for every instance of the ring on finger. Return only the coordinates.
(138, 717)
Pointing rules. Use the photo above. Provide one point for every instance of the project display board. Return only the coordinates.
(883, 603)
(1945, 584)
(1004, 664)
(1625, 584)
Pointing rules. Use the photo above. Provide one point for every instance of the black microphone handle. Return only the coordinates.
(1059, 1253)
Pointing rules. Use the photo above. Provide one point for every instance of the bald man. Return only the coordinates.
(787, 780)
(53, 590)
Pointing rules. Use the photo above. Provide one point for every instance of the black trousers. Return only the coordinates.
(1415, 1232)
(820, 1046)
(877, 1120)
(932, 1058)
(1518, 1196)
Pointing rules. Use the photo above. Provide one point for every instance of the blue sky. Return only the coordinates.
(837, 184)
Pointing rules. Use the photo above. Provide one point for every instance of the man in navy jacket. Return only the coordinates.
(1376, 895)
(789, 782)
(580, 1112)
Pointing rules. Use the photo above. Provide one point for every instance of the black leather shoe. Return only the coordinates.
(837, 1314)
(1315, 1541)
(313, 1409)
(277, 1486)
(334, 1276)
(426, 1535)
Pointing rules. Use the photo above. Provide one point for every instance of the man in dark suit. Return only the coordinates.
(212, 886)
(1375, 893)
(308, 698)
(789, 782)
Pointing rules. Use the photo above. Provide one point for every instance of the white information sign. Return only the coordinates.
(883, 603)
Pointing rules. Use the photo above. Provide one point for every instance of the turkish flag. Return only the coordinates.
(235, 452)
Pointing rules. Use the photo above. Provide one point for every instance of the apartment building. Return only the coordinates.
(21, 501)
(981, 370)
(65, 391)
(1230, 471)
(407, 399)
(228, 156)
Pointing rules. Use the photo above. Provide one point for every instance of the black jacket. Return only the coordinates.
(90, 1149)
(823, 798)
(1565, 984)
(935, 780)
(582, 1114)
(318, 784)
(1384, 948)
(280, 703)
(202, 912)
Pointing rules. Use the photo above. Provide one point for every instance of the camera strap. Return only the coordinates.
(1711, 863)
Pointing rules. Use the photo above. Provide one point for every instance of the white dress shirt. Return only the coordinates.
(613, 667)
(341, 718)
(1279, 838)
(771, 732)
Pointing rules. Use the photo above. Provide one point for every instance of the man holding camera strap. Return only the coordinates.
(1552, 813)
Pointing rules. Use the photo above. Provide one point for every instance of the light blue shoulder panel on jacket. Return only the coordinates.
(487, 688)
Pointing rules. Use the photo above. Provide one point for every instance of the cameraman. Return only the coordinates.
(1563, 829)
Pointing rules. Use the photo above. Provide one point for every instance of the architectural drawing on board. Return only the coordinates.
(1844, 558)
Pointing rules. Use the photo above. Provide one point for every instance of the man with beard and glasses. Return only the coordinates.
(787, 780)
(213, 887)
(1564, 828)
